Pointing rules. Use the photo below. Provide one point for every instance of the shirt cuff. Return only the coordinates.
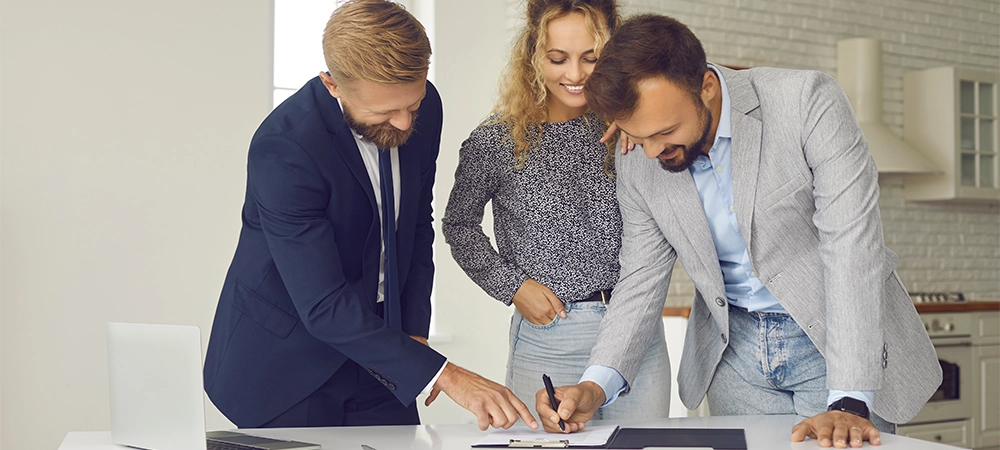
(866, 396)
(430, 386)
(608, 379)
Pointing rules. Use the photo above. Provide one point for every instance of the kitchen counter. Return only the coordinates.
(969, 306)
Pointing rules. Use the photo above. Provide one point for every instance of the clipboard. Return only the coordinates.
(637, 438)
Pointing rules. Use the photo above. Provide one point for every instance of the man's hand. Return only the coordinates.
(537, 303)
(492, 404)
(577, 404)
(627, 144)
(836, 428)
(420, 339)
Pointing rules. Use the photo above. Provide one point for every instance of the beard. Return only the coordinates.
(383, 135)
(689, 153)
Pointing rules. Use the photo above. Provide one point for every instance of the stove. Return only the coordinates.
(956, 413)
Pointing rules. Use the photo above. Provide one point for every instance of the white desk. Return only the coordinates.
(762, 432)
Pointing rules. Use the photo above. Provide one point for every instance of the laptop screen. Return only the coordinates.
(154, 376)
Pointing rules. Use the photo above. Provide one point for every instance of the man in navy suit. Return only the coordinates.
(324, 314)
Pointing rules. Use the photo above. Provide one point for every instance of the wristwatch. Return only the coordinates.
(850, 405)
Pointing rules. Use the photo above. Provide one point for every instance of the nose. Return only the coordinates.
(652, 150)
(575, 72)
(401, 120)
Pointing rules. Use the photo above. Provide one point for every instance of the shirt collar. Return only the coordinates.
(724, 130)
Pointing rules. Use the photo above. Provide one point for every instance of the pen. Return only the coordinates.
(552, 399)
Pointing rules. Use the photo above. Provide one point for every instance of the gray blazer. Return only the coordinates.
(806, 194)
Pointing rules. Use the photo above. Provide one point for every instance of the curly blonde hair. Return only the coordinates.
(521, 104)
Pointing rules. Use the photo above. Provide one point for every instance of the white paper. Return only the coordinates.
(596, 436)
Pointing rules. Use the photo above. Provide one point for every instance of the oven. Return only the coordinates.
(947, 416)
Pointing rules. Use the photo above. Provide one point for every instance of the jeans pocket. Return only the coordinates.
(541, 327)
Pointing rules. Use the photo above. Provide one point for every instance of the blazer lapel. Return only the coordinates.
(343, 140)
(746, 140)
(685, 204)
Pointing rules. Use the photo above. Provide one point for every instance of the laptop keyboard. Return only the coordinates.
(220, 445)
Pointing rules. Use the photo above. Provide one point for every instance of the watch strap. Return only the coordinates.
(851, 405)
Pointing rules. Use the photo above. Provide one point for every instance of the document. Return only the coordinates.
(521, 436)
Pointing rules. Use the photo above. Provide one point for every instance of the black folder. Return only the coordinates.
(638, 438)
(717, 438)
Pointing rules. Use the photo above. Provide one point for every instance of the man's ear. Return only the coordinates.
(709, 87)
(331, 85)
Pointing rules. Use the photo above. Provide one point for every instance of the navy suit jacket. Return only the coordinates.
(300, 296)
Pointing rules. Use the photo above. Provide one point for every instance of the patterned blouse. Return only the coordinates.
(556, 220)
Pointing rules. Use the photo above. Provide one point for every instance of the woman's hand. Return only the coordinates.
(537, 303)
(627, 144)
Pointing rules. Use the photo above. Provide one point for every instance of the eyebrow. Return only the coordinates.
(556, 50)
(393, 110)
(664, 130)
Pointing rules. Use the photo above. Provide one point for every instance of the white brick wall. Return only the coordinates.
(943, 246)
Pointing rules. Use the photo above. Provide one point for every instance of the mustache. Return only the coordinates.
(383, 135)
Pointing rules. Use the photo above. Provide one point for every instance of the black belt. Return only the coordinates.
(603, 296)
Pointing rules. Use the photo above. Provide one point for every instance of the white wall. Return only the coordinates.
(468, 58)
(123, 131)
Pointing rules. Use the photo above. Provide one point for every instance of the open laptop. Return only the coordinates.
(156, 385)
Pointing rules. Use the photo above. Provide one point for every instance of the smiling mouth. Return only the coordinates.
(575, 89)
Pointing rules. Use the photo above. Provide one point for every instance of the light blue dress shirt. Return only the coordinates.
(713, 178)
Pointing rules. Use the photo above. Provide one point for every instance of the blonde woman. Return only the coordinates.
(539, 161)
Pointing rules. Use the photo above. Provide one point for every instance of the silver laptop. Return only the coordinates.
(157, 403)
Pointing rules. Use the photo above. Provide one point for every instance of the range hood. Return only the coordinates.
(859, 72)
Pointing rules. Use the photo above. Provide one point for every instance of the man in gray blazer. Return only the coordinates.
(760, 182)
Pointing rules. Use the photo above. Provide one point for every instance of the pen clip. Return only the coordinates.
(538, 443)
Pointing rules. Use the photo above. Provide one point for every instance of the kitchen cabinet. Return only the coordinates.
(986, 360)
(950, 115)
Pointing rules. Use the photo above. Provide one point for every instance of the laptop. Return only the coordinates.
(157, 400)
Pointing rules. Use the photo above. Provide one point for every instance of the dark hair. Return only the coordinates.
(645, 46)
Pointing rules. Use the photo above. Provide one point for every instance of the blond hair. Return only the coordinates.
(521, 105)
(375, 40)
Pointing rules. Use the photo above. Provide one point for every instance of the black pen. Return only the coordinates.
(552, 399)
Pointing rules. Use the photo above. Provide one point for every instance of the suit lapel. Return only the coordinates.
(685, 203)
(343, 140)
(746, 140)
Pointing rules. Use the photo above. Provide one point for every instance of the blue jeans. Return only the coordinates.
(561, 350)
(771, 367)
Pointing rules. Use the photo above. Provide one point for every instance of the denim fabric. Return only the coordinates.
(561, 349)
(771, 367)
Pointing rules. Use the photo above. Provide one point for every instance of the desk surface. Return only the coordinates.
(763, 432)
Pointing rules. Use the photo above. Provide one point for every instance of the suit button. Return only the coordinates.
(724, 340)
(371, 371)
(392, 387)
(719, 301)
(384, 383)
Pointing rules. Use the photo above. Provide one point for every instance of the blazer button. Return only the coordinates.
(719, 301)
(371, 371)
(384, 383)
(392, 387)
(724, 340)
